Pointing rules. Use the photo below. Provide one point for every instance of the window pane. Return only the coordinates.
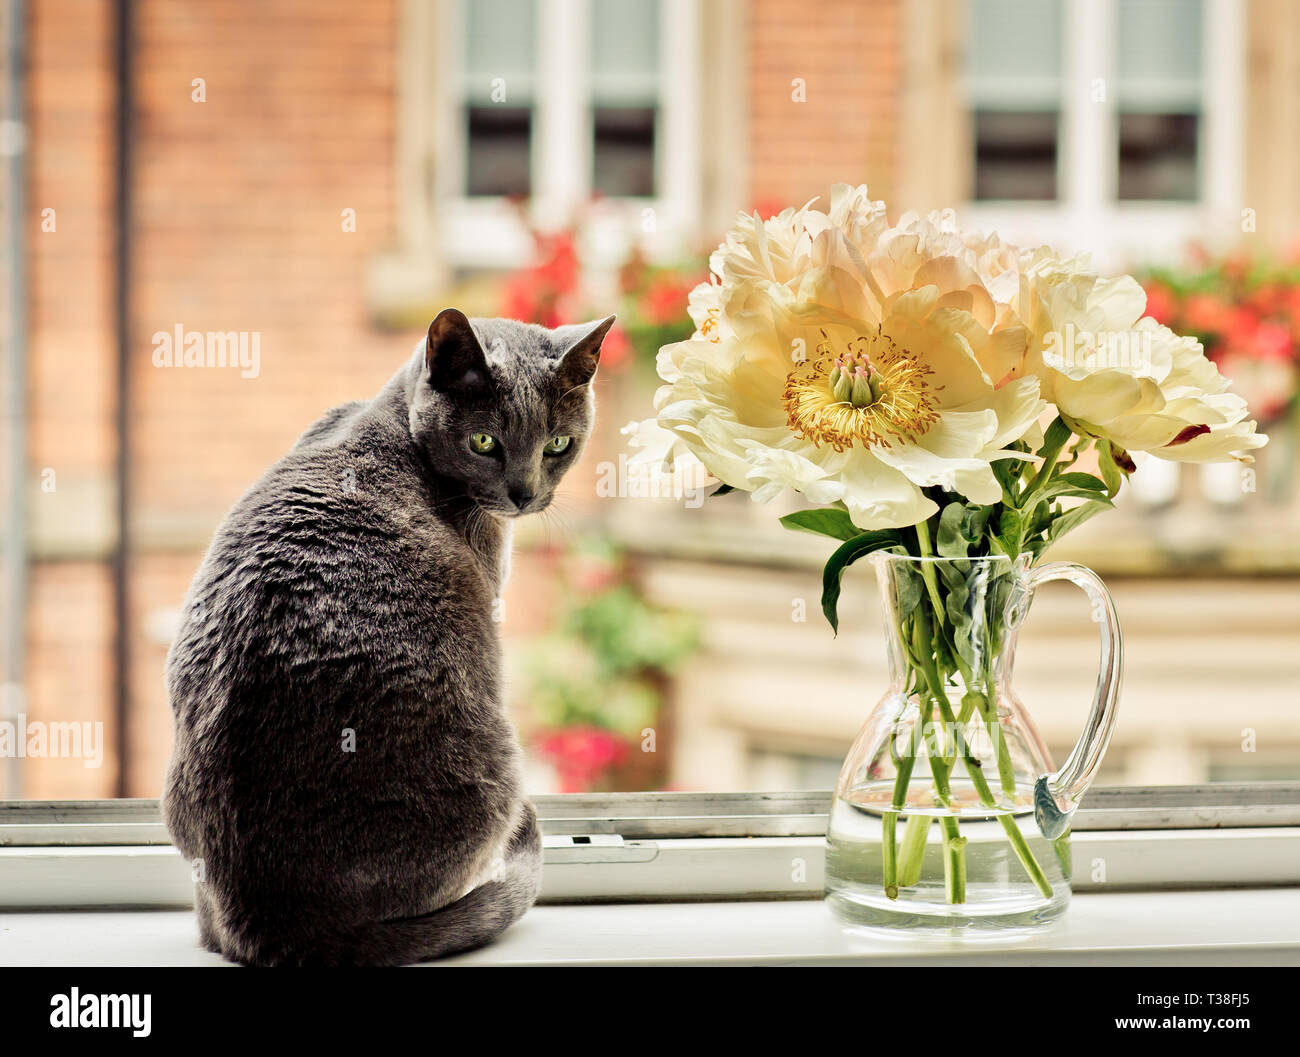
(1157, 156)
(624, 154)
(500, 43)
(499, 89)
(1014, 54)
(499, 155)
(1013, 70)
(625, 51)
(1159, 98)
(1015, 155)
(625, 85)
(1160, 57)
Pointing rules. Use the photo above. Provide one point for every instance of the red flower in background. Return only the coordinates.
(549, 292)
(1161, 303)
(768, 206)
(665, 299)
(1206, 314)
(558, 267)
(546, 292)
(1246, 311)
(582, 755)
(1273, 342)
(1266, 385)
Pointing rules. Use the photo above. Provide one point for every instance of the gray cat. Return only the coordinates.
(344, 775)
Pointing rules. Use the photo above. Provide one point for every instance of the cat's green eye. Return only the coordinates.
(483, 443)
(558, 445)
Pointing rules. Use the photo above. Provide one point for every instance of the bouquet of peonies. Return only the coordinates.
(897, 376)
(887, 371)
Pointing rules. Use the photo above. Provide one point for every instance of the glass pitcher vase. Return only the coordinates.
(948, 813)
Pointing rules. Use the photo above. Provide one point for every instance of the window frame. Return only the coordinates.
(635, 847)
(1087, 208)
(482, 232)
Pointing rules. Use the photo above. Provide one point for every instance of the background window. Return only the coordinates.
(1014, 79)
(1159, 98)
(624, 97)
(499, 91)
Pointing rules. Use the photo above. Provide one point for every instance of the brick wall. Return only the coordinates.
(238, 227)
(848, 54)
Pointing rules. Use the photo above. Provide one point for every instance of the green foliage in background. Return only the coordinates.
(609, 654)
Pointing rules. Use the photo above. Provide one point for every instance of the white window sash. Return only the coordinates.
(1224, 106)
(1088, 161)
(487, 233)
(1087, 214)
(686, 846)
(562, 149)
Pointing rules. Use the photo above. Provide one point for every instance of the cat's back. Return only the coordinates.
(335, 565)
(337, 647)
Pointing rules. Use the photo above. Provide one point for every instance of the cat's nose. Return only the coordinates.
(520, 496)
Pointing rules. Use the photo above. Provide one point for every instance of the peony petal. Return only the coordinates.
(877, 496)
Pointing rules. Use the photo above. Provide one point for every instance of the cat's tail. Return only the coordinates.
(474, 920)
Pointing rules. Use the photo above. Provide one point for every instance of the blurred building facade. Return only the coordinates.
(302, 174)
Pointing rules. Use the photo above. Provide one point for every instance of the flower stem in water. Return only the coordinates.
(887, 851)
(954, 860)
(909, 869)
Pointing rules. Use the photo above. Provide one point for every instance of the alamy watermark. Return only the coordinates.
(128, 1011)
(21, 739)
(974, 739)
(1126, 350)
(625, 479)
(179, 347)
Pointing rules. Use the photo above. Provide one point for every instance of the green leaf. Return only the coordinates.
(1075, 485)
(722, 489)
(1039, 520)
(1109, 459)
(1072, 519)
(949, 540)
(1035, 549)
(1007, 472)
(845, 555)
(909, 587)
(1056, 436)
(1085, 481)
(974, 522)
(1010, 529)
(958, 605)
(828, 521)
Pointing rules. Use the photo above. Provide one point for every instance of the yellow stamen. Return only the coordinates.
(871, 392)
(709, 325)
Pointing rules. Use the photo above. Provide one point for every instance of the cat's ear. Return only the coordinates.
(580, 362)
(453, 358)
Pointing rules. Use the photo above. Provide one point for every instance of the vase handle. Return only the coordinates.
(1056, 796)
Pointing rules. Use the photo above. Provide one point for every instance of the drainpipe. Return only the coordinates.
(122, 308)
(13, 575)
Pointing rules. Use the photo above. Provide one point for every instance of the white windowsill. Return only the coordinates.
(1225, 927)
(710, 869)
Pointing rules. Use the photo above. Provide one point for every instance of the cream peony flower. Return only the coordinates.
(1116, 375)
(850, 361)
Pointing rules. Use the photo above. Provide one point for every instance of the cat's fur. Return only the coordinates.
(344, 777)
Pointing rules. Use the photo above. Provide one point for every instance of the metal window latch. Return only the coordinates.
(595, 847)
(585, 840)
